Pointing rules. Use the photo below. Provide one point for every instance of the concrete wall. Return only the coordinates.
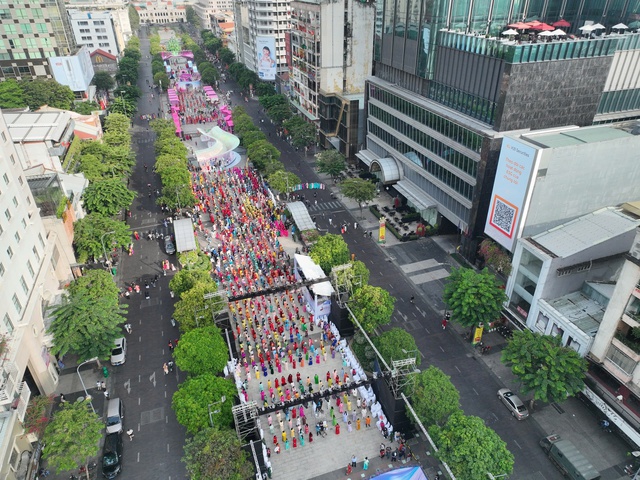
(582, 178)
(554, 93)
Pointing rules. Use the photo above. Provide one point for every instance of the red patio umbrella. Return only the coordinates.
(562, 23)
(541, 27)
(519, 25)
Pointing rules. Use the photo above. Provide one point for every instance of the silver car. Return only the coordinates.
(119, 352)
(513, 403)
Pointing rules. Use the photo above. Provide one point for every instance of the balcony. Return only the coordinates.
(21, 402)
(627, 346)
(9, 384)
(636, 291)
(632, 319)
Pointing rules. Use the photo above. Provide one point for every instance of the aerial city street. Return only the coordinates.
(302, 240)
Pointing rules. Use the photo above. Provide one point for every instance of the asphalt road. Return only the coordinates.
(156, 449)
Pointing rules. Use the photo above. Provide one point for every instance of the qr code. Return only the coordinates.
(503, 216)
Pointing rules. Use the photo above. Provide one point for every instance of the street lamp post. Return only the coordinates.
(214, 411)
(104, 250)
(86, 394)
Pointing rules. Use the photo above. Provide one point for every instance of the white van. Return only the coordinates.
(115, 416)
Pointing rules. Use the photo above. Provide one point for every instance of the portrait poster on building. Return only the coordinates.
(510, 188)
(266, 54)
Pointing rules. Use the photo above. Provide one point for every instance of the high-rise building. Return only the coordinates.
(331, 56)
(35, 264)
(260, 29)
(208, 9)
(31, 33)
(118, 11)
(448, 85)
(94, 29)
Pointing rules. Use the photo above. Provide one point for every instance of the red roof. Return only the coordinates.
(104, 54)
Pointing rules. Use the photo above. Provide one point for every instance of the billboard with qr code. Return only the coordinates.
(513, 177)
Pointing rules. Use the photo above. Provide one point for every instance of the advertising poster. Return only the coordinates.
(266, 55)
(513, 176)
(383, 231)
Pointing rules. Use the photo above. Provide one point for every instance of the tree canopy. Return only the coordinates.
(88, 236)
(471, 449)
(11, 94)
(192, 17)
(39, 92)
(216, 453)
(185, 279)
(107, 197)
(103, 81)
(372, 306)
(191, 401)
(355, 277)
(358, 189)
(331, 162)
(202, 350)
(393, 344)
(473, 297)
(89, 318)
(330, 250)
(546, 368)
(262, 153)
(193, 311)
(73, 437)
(434, 397)
(283, 181)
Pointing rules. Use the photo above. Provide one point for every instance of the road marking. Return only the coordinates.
(519, 446)
(152, 377)
(457, 369)
(427, 330)
(127, 385)
(430, 276)
(421, 265)
(474, 391)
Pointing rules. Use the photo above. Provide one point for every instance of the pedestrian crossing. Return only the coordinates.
(324, 206)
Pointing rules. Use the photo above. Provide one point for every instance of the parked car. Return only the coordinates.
(169, 247)
(112, 456)
(513, 403)
(119, 352)
(115, 415)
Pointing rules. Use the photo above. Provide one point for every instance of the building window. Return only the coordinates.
(20, 181)
(17, 237)
(10, 29)
(15, 202)
(25, 287)
(19, 56)
(26, 28)
(7, 214)
(12, 158)
(4, 137)
(16, 303)
(37, 13)
(37, 255)
(15, 43)
(1, 270)
(21, 12)
(83, 23)
(30, 269)
(5, 14)
(1, 230)
(41, 240)
(5, 177)
(30, 42)
(6, 323)
(29, 200)
(23, 222)
(42, 28)
(621, 360)
(10, 252)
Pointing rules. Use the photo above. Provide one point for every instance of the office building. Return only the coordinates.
(331, 56)
(118, 11)
(94, 29)
(208, 10)
(31, 33)
(261, 24)
(448, 86)
(158, 12)
(35, 264)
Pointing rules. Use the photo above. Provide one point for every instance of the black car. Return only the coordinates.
(112, 456)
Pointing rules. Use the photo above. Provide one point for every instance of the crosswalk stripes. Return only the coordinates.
(324, 206)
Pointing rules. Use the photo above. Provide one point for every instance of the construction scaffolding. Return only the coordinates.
(245, 417)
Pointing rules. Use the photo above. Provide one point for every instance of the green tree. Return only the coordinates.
(41, 92)
(243, 124)
(206, 456)
(358, 189)
(393, 344)
(107, 197)
(85, 108)
(434, 397)
(73, 437)
(92, 167)
(191, 401)
(202, 350)
(134, 43)
(248, 138)
(372, 306)
(473, 298)
(283, 181)
(331, 162)
(161, 79)
(87, 322)
(302, 133)
(270, 101)
(134, 18)
(226, 56)
(265, 88)
(129, 92)
(355, 277)
(185, 279)
(545, 367)
(471, 449)
(123, 106)
(103, 81)
(117, 122)
(88, 236)
(330, 250)
(210, 76)
(11, 94)
(213, 45)
(261, 153)
(279, 113)
(192, 17)
(193, 311)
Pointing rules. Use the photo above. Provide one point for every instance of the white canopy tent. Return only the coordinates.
(185, 239)
(301, 216)
(318, 295)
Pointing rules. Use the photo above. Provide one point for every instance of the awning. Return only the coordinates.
(185, 239)
(416, 197)
(367, 156)
(312, 271)
(301, 216)
(388, 167)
